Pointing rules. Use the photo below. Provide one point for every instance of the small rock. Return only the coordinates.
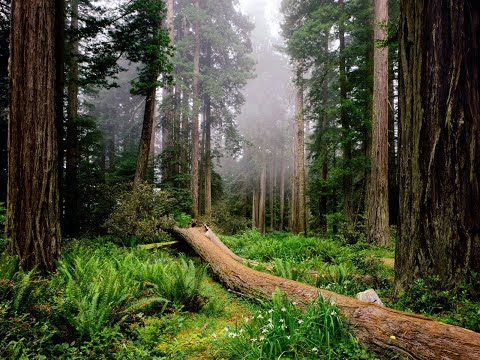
(369, 296)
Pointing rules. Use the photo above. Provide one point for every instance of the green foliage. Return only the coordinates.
(458, 306)
(225, 222)
(143, 213)
(144, 40)
(283, 329)
(182, 220)
(179, 282)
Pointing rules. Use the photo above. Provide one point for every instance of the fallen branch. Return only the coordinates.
(378, 327)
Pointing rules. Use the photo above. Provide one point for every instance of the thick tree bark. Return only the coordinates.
(72, 151)
(439, 221)
(345, 122)
(33, 214)
(380, 328)
(378, 229)
(196, 114)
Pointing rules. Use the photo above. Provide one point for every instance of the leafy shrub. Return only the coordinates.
(179, 282)
(457, 306)
(283, 330)
(143, 213)
(98, 289)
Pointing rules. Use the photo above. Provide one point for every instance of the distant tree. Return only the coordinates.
(439, 222)
(145, 40)
(196, 113)
(33, 194)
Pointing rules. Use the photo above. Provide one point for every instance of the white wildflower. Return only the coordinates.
(214, 335)
(261, 338)
(315, 349)
(300, 321)
(282, 320)
(260, 316)
(283, 309)
(270, 311)
(288, 337)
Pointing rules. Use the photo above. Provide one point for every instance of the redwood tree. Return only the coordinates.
(33, 193)
(377, 199)
(439, 220)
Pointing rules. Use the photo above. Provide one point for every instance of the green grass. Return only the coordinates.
(326, 263)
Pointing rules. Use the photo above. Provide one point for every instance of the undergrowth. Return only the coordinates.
(282, 329)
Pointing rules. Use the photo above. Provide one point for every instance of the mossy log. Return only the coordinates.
(380, 328)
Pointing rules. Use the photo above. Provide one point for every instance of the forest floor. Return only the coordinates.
(110, 301)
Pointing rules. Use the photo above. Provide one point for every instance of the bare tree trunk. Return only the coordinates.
(208, 142)
(60, 87)
(324, 128)
(345, 122)
(72, 154)
(196, 114)
(33, 214)
(208, 159)
(300, 154)
(168, 117)
(272, 193)
(392, 148)
(282, 196)
(254, 209)
(439, 222)
(378, 229)
(263, 195)
(146, 137)
(378, 327)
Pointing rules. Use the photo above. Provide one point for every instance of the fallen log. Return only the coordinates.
(380, 328)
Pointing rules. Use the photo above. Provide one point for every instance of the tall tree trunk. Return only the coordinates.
(146, 137)
(168, 117)
(300, 153)
(33, 214)
(208, 158)
(263, 194)
(196, 114)
(60, 81)
(324, 128)
(345, 122)
(185, 138)
(271, 201)
(208, 141)
(282, 196)
(72, 153)
(392, 147)
(185, 132)
(254, 209)
(378, 229)
(439, 228)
